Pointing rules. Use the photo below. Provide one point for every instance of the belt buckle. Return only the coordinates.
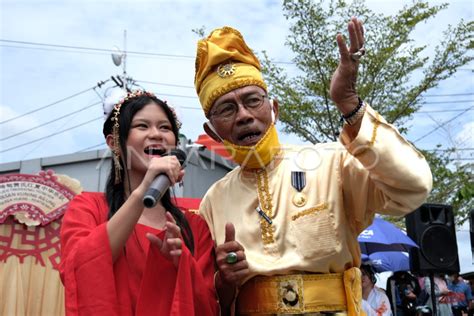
(290, 294)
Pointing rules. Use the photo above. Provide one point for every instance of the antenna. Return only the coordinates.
(125, 55)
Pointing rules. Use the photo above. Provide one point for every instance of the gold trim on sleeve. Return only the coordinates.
(374, 131)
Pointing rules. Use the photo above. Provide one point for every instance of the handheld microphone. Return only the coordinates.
(161, 183)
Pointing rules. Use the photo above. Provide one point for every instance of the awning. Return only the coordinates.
(213, 146)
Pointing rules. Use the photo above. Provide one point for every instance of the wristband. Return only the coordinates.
(356, 114)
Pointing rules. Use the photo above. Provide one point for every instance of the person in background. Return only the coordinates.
(471, 310)
(403, 290)
(442, 294)
(120, 258)
(461, 296)
(375, 301)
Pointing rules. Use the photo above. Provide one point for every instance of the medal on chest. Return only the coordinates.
(298, 181)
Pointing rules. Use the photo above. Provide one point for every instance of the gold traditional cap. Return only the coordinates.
(224, 63)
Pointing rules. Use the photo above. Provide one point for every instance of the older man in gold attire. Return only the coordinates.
(286, 220)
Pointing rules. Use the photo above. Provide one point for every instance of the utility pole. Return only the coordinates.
(125, 58)
(119, 57)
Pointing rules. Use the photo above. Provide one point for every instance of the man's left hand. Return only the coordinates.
(343, 83)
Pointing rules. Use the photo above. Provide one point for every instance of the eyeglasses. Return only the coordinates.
(227, 111)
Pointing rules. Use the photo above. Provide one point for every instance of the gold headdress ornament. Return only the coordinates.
(224, 63)
(114, 114)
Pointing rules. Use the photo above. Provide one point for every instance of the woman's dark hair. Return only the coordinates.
(115, 193)
(370, 271)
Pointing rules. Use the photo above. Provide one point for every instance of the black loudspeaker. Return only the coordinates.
(432, 227)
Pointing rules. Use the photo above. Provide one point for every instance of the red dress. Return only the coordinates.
(141, 281)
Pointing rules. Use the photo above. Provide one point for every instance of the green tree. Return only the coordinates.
(386, 77)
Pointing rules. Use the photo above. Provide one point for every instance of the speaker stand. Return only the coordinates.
(432, 294)
(394, 288)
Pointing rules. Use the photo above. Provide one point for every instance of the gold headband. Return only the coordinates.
(134, 94)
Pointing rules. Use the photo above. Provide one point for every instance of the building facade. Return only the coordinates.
(91, 168)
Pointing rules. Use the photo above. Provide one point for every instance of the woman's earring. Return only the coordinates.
(116, 144)
(117, 166)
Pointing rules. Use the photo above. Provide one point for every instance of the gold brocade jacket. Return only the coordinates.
(316, 229)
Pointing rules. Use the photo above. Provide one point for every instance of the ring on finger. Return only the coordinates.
(231, 257)
(358, 55)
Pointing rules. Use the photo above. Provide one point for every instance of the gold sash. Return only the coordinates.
(302, 293)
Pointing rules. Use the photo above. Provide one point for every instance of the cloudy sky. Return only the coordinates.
(35, 76)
